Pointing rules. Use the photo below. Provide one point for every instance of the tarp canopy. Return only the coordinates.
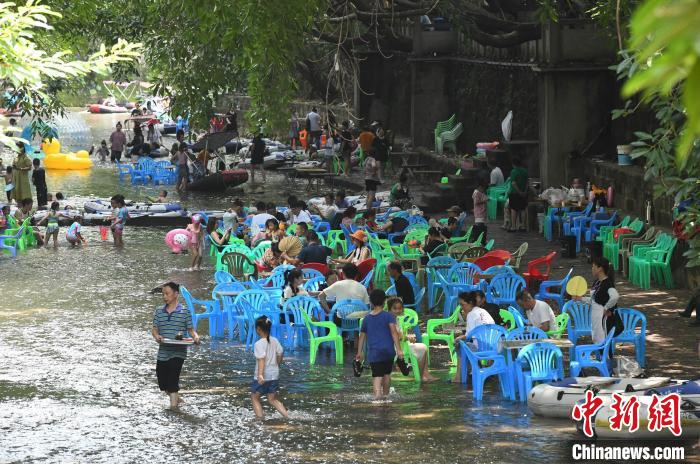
(214, 141)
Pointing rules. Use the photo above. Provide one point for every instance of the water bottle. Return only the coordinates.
(648, 212)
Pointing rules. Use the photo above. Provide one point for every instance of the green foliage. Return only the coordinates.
(668, 177)
(666, 35)
(35, 76)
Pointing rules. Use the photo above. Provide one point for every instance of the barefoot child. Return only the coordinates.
(51, 221)
(119, 216)
(379, 330)
(197, 241)
(168, 322)
(268, 356)
(73, 234)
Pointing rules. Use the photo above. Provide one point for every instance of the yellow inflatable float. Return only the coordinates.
(67, 161)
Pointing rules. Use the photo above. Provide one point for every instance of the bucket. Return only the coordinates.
(104, 232)
(540, 222)
(623, 155)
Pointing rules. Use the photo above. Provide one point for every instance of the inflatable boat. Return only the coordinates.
(556, 399)
(219, 181)
(99, 109)
(689, 411)
(171, 219)
(101, 206)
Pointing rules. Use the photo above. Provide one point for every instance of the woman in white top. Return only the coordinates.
(293, 280)
(361, 251)
(474, 317)
(603, 301)
(268, 356)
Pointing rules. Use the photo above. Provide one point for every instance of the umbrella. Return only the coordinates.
(214, 141)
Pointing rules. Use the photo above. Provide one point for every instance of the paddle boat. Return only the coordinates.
(98, 108)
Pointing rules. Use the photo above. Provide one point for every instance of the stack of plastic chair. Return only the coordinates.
(580, 227)
(539, 269)
(503, 289)
(487, 339)
(593, 230)
(211, 311)
(162, 176)
(657, 258)
(562, 322)
(579, 319)
(443, 126)
(605, 232)
(538, 362)
(449, 139)
(611, 248)
(460, 278)
(635, 328)
(596, 356)
(431, 333)
(546, 293)
(342, 309)
(125, 170)
(26, 238)
(626, 244)
(439, 265)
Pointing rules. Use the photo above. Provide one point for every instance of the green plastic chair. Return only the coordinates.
(562, 321)
(239, 265)
(431, 334)
(473, 253)
(243, 249)
(605, 232)
(28, 239)
(335, 238)
(405, 324)
(456, 250)
(497, 196)
(438, 251)
(489, 244)
(612, 247)
(315, 342)
(653, 261)
(463, 238)
(508, 318)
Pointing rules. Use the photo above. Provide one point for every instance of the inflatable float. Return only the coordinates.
(103, 205)
(178, 240)
(689, 411)
(67, 161)
(100, 109)
(556, 399)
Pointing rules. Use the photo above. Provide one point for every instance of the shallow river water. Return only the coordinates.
(77, 377)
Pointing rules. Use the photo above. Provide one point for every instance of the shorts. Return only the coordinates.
(168, 373)
(183, 172)
(116, 155)
(51, 229)
(382, 368)
(371, 185)
(270, 386)
(118, 229)
(517, 202)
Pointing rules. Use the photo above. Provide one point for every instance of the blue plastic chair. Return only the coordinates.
(596, 356)
(322, 228)
(595, 225)
(367, 281)
(545, 292)
(349, 246)
(309, 273)
(124, 170)
(245, 305)
(292, 309)
(487, 338)
(500, 269)
(162, 176)
(538, 362)
(633, 320)
(417, 219)
(211, 310)
(226, 304)
(312, 285)
(520, 321)
(532, 333)
(579, 319)
(460, 278)
(438, 265)
(223, 277)
(11, 242)
(503, 289)
(348, 325)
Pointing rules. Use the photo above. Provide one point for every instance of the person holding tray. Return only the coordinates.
(169, 323)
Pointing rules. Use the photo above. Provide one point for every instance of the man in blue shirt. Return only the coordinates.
(379, 330)
(314, 252)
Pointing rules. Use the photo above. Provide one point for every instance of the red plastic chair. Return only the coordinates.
(502, 254)
(322, 268)
(485, 262)
(364, 267)
(539, 269)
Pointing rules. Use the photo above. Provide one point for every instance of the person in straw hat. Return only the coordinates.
(361, 251)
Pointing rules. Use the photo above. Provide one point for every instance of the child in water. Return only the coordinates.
(51, 221)
(268, 356)
(73, 234)
(120, 215)
(197, 241)
(103, 151)
(8, 183)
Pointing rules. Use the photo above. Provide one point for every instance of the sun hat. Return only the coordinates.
(359, 235)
